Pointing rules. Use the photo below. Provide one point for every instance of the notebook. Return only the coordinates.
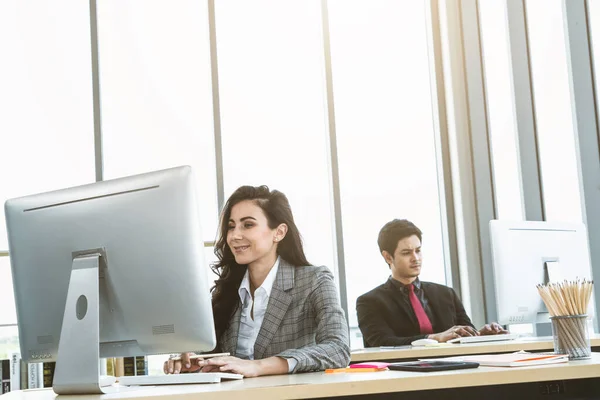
(432, 366)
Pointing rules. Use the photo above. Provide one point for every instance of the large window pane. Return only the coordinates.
(501, 109)
(9, 341)
(273, 112)
(156, 92)
(554, 118)
(385, 131)
(8, 313)
(46, 115)
(594, 27)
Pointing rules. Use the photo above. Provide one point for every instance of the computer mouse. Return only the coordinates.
(423, 342)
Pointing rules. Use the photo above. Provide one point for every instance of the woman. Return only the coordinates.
(273, 310)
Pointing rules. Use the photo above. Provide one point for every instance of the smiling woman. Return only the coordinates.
(273, 310)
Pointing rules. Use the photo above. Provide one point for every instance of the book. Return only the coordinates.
(135, 366)
(110, 366)
(141, 365)
(15, 371)
(5, 376)
(518, 359)
(48, 371)
(35, 375)
(128, 366)
(24, 373)
(119, 369)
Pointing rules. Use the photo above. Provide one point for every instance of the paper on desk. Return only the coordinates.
(518, 359)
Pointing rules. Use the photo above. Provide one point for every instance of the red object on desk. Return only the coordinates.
(361, 367)
(373, 364)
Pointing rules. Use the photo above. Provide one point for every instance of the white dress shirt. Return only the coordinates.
(249, 328)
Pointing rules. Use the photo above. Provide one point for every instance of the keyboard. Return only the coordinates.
(178, 379)
(484, 338)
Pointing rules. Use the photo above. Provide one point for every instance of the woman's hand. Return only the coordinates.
(184, 365)
(248, 368)
(454, 332)
(492, 329)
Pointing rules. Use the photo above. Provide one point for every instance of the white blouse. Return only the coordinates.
(249, 328)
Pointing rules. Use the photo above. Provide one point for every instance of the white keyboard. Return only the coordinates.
(177, 379)
(484, 338)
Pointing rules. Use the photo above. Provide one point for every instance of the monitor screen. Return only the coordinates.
(149, 290)
(528, 253)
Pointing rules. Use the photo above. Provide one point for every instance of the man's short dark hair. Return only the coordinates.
(394, 231)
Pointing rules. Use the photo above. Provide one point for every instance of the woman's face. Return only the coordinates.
(249, 236)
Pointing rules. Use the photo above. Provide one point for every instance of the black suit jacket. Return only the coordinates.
(386, 319)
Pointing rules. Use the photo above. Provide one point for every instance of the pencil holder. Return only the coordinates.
(571, 336)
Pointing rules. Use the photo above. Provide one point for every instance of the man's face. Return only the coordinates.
(405, 263)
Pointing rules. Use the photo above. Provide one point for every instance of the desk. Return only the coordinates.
(413, 385)
(508, 346)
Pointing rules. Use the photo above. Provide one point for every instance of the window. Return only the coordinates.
(9, 340)
(156, 92)
(385, 135)
(501, 105)
(46, 120)
(157, 112)
(554, 119)
(8, 313)
(272, 91)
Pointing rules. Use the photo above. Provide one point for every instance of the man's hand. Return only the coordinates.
(454, 332)
(493, 328)
(248, 368)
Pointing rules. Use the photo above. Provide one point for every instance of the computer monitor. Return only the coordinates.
(528, 253)
(110, 269)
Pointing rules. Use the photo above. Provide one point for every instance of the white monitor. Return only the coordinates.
(114, 268)
(528, 253)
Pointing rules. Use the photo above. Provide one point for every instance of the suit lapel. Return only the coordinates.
(403, 306)
(279, 302)
(230, 337)
(437, 311)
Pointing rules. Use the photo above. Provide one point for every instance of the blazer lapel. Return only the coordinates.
(279, 302)
(439, 313)
(230, 337)
(403, 306)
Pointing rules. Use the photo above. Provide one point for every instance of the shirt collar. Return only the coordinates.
(267, 285)
(401, 286)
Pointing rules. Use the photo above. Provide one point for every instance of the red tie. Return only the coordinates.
(424, 323)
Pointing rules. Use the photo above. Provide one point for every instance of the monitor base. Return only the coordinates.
(77, 363)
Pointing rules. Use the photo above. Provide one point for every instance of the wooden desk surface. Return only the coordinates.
(408, 352)
(319, 384)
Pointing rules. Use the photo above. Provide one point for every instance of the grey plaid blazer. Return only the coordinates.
(303, 321)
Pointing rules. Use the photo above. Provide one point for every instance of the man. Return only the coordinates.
(404, 308)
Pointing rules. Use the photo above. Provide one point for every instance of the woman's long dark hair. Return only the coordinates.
(277, 209)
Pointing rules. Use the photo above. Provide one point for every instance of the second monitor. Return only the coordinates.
(528, 253)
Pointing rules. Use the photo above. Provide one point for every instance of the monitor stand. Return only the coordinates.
(542, 325)
(77, 364)
(552, 273)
